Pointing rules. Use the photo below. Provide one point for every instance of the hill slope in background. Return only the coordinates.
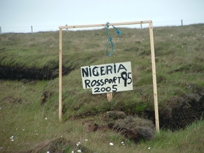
(29, 87)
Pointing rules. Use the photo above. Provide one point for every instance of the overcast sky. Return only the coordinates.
(19, 15)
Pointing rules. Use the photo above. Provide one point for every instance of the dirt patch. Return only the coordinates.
(133, 128)
(11, 99)
(33, 73)
(136, 129)
(194, 68)
(114, 115)
(45, 96)
(182, 111)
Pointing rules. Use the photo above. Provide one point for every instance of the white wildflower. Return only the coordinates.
(78, 143)
(12, 138)
(72, 151)
(122, 143)
(111, 144)
(45, 118)
(48, 151)
(86, 140)
(79, 150)
(149, 148)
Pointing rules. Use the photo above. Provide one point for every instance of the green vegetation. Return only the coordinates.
(29, 108)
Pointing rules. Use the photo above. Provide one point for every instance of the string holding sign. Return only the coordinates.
(110, 39)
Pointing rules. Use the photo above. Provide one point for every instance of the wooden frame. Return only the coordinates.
(113, 24)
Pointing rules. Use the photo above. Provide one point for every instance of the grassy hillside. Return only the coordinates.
(29, 107)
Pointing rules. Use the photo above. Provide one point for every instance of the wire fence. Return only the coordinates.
(37, 28)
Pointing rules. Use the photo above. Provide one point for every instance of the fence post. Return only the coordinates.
(31, 29)
(66, 28)
(181, 22)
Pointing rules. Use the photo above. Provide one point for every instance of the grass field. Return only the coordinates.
(26, 123)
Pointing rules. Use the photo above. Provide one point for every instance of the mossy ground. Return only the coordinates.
(179, 64)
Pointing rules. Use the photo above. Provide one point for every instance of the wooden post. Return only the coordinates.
(109, 96)
(60, 74)
(154, 76)
(66, 28)
(181, 22)
(31, 29)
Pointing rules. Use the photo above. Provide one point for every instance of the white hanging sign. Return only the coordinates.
(105, 78)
